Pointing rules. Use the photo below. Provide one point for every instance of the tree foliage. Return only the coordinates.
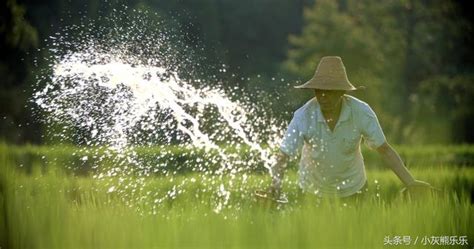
(393, 48)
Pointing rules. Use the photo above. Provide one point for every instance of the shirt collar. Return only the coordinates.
(343, 116)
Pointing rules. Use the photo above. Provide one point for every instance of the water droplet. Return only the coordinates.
(111, 189)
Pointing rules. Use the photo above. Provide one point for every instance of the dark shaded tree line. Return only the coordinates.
(415, 57)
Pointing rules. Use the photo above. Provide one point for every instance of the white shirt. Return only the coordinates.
(331, 162)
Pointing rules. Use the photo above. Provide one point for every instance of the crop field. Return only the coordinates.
(50, 207)
(139, 124)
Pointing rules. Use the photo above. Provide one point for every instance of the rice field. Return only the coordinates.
(48, 208)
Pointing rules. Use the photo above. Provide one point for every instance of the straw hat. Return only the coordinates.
(330, 75)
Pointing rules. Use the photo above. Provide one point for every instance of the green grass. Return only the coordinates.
(172, 157)
(50, 209)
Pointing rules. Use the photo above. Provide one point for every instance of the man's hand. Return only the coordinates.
(419, 184)
(277, 172)
(271, 193)
(418, 187)
(274, 191)
(396, 164)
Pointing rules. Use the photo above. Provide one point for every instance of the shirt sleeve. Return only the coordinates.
(371, 129)
(293, 139)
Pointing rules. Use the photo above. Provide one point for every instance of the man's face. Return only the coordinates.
(328, 99)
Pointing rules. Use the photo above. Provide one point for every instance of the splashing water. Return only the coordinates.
(116, 99)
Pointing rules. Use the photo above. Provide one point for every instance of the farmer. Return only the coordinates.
(329, 129)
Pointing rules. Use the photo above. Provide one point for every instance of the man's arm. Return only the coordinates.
(277, 173)
(396, 164)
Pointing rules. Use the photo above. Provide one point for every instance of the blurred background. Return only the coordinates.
(415, 58)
